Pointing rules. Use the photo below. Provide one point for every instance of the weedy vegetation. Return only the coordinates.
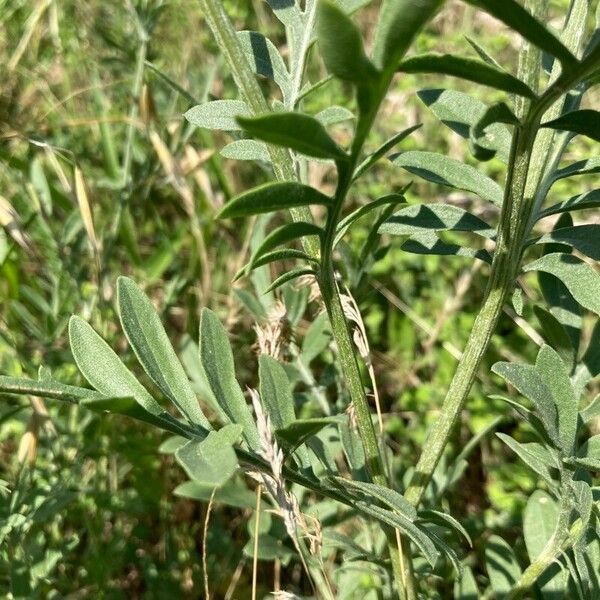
(339, 443)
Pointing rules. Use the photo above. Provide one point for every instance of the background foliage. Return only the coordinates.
(100, 176)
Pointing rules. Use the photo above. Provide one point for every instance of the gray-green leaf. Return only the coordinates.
(218, 114)
(154, 351)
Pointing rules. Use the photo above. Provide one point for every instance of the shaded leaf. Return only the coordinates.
(482, 134)
(419, 218)
(584, 122)
(460, 112)
(582, 281)
(399, 23)
(588, 454)
(270, 197)
(466, 68)
(502, 566)
(465, 587)
(556, 335)
(298, 432)
(511, 13)
(584, 238)
(334, 114)
(581, 167)
(444, 170)
(580, 202)
(428, 242)
(535, 456)
(341, 46)
(231, 493)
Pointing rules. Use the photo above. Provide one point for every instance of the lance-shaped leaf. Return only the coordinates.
(399, 23)
(465, 587)
(444, 170)
(334, 114)
(211, 461)
(276, 255)
(483, 54)
(285, 234)
(154, 351)
(389, 200)
(298, 432)
(584, 122)
(297, 131)
(556, 335)
(446, 520)
(502, 566)
(589, 366)
(270, 197)
(216, 359)
(419, 218)
(511, 13)
(585, 238)
(591, 411)
(554, 373)
(581, 202)
(246, 150)
(218, 114)
(460, 112)
(581, 167)
(46, 389)
(103, 368)
(588, 454)
(539, 521)
(387, 496)
(528, 381)
(427, 242)
(399, 521)
(370, 161)
(341, 46)
(481, 138)
(287, 11)
(466, 68)
(582, 281)
(290, 276)
(264, 58)
(534, 455)
(276, 394)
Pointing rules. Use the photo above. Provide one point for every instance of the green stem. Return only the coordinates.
(245, 79)
(515, 218)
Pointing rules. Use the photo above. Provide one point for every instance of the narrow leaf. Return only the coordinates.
(465, 587)
(298, 432)
(275, 392)
(341, 46)
(277, 255)
(581, 167)
(285, 234)
(103, 369)
(246, 150)
(46, 389)
(270, 197)
(399, 23)
(427, 242)
(584, 238)
(290, 276)
(216, 358)
(466, 68)
(532, 455)
(585, 122)
(588, 454)
(218, 114)
(460, 112)
(154, 351)
(334, 114)
(419, 218)
(554, 373)
(580, 202)
(511, 13)
(582, 281)
(502, 566)
(297, 131)
(444, 170)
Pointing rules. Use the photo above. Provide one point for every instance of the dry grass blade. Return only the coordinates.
(85, 209)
